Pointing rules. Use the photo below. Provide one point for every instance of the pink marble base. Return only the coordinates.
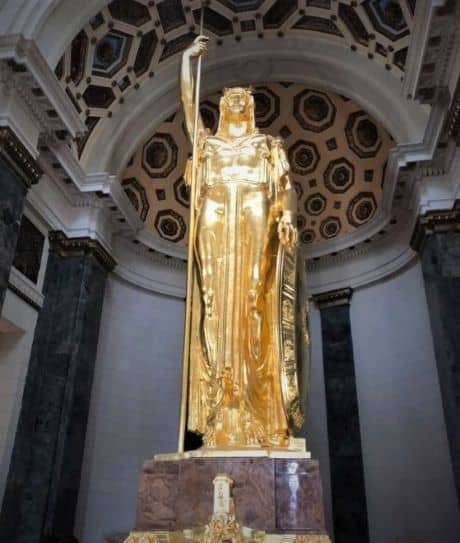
(274, 495)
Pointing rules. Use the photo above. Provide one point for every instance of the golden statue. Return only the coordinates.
(240, 354)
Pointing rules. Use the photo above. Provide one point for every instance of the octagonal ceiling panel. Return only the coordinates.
(126, 42)
(337, 170)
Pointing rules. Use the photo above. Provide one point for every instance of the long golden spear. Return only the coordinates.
(191, 237)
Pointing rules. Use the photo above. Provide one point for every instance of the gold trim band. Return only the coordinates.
(333, 298)
(433, 222)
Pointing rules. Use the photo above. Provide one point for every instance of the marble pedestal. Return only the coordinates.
(274, 495)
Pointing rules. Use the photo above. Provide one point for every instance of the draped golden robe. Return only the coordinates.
(243, 389)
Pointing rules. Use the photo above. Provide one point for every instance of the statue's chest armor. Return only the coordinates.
(236, 160)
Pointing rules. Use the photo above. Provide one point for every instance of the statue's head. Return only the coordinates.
(236, 106)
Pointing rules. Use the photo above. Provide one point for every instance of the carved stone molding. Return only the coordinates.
(17, 156)
(434, 221)
(70, 247)
(333, 298)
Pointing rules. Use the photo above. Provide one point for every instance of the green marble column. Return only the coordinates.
(18, 171)
(349, 504)
(43, 481)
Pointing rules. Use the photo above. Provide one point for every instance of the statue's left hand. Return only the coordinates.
(287, 232)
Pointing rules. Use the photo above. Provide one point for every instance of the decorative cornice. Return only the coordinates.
(17, 156)
(432, 222)
(71, 247)
(333, 298)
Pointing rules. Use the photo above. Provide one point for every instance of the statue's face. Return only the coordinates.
(237, 100)
(237, 106)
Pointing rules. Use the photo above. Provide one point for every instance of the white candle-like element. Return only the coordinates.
(222, 493)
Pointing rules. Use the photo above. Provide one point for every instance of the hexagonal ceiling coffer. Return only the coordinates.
(363, 135)
(98, 97)
(241, 5)
(339, 175)
(361, 208)
(170, 225)
(303, 157)
(330, 227)
(137, 195)
(315, 204)
(210, 115)
(314, 110)
(159, 155)
(181, 192)
(129, 11)
(387, 17)
(267, 106)
(110, 53)
(307, 236)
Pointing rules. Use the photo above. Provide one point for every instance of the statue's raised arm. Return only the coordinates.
(187, 84)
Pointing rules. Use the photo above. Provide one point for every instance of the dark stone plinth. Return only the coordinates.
(274, 495)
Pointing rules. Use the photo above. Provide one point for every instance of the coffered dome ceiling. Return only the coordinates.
(126, 42)
(337, 154)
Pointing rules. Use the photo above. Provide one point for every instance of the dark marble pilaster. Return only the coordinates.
(43, 481)
(437, 237)
(347, 473)
(17, 172)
